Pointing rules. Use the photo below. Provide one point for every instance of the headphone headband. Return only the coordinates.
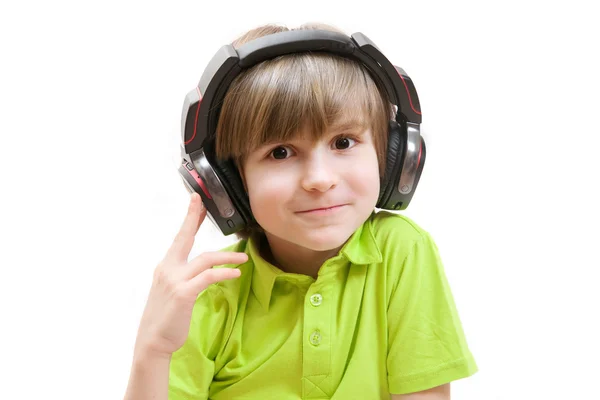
(202, 105)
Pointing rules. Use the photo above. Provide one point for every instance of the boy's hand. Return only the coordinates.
(166, 319)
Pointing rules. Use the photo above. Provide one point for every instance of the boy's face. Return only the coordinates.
(313, 194)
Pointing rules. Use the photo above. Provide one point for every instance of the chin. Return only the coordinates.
(321, 239)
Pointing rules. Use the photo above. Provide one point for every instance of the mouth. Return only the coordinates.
(322, 210)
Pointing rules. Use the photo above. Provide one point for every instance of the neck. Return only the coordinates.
(292, 258)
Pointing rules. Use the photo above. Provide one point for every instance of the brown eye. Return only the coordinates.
(343, 143)
(279, 153)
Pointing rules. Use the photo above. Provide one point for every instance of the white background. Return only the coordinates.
(90, 106)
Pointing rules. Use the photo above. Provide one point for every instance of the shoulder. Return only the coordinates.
(391, 230)
(402, 243)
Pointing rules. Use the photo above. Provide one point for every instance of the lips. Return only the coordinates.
(326, 208)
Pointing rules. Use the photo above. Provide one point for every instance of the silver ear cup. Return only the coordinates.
(191, 190)
(406, 184)
(213, 184)
(198, 176)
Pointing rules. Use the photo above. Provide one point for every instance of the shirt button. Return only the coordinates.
(315, 338)
(316, 299)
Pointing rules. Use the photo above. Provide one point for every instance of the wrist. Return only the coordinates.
(144, 353)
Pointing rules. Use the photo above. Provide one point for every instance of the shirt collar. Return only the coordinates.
(361, 248)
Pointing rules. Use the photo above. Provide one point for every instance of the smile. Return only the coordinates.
(323, 211)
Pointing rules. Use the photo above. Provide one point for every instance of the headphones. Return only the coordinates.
(218, 181)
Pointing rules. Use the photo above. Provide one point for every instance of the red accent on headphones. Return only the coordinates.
(408, 93)
(196, 120)
(197, 178)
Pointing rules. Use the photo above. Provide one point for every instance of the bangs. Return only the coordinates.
(312, 93)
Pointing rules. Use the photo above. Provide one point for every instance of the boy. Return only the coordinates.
(323, 298)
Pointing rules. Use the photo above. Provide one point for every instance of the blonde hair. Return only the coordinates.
(316, 92)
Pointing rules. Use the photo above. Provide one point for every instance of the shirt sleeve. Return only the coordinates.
(192, 366)
(427, 346)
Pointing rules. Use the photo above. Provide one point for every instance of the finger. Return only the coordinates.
(184, 240)
(208, 260)
(210, 276)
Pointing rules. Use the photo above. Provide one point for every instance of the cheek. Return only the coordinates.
(370, 187)
(266, 191)
(366, 180)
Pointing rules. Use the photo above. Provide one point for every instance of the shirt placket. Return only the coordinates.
(316, 342)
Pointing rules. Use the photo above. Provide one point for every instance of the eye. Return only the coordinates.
(280, 153)
(342, 143)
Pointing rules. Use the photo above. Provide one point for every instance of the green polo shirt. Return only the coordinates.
(379, 319)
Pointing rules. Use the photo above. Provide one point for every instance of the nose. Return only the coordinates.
(319, 173)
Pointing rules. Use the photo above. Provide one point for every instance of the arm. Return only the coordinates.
(149, 378)
(167, 317)
(436, 393)
(427, 347)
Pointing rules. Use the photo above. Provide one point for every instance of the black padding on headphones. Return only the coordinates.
(395, 149)
(231, 179)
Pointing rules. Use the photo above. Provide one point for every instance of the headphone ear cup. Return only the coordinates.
(230, 179)
(393, 166)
